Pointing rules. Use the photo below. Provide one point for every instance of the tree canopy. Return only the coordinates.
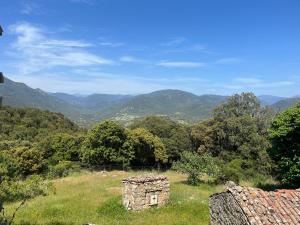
(175, 137)
(149, 149)
(284, 134)
(105, 143)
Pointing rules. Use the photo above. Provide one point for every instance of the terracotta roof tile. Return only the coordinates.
(278, 207)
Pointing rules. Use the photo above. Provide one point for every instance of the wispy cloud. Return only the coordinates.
(131, 59)
(181, 64)
(255, 83)
(30, 7)
(173, 42)
(248, 80)
(111, 44)
(229, 61)
(34, 50)
(181, 45)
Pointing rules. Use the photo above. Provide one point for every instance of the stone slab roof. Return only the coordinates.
(144, 179)
(275, 207)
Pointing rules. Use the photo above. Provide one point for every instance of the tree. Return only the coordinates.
(195, 166)
(107, 142)
(284, 134)
(240, 131)
(176, 137)
(65, 147)
(148, 148)
(202, 136)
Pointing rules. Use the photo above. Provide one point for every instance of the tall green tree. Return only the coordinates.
(106, 143)
(285, 137)
(202, 136)
(238, 131)
(175, 137)
(149, 149)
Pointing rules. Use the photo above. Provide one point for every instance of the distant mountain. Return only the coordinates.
(178, 105)
(85, 110)
(94, 102)
(20, 95)
(269, 99)
(285, 103)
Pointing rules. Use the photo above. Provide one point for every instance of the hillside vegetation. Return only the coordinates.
(178, 105)
(242, 141)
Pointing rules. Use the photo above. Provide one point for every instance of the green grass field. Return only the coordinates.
(96, 198)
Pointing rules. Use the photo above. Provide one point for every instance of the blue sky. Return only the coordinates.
(139, 46)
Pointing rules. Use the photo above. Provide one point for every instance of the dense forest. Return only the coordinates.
(238, 138)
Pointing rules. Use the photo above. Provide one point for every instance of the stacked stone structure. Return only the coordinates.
(253, 206)
(145, 192)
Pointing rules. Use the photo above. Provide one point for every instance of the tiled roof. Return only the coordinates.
(275, 207)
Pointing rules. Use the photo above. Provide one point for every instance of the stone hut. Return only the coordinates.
(253, 206)
(145, 192)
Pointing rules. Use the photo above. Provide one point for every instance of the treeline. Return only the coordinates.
(242, 139)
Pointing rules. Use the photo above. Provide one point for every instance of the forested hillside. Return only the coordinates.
(34, 125)
(94, 102)
(178, 105)
(20, 95)
(285, 103)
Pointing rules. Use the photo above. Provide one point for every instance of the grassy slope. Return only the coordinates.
(96, 198)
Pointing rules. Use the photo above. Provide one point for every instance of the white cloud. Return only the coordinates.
(35, 51)
(131, 59)
(181, 64)
(255, 83)
(229, 61)
(111, 44)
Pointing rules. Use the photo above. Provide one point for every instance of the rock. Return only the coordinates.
(230, 184)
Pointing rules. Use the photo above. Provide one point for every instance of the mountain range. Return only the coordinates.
(85, 110)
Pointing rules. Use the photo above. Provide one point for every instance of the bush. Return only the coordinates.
(21, 190)
(62, 169)
(66, 147)
(195, 166)
(25, 160)
(231, 171)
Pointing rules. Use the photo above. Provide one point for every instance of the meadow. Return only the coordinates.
(95, 197)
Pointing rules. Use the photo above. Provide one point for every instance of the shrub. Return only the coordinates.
(26, 160)
(195, 166)
(62, 169)
(11, 190)
(231, 171)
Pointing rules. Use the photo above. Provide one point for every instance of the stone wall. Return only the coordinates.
(145, 192)
(225, 210)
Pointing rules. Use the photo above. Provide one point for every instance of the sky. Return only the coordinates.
(139, 46)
